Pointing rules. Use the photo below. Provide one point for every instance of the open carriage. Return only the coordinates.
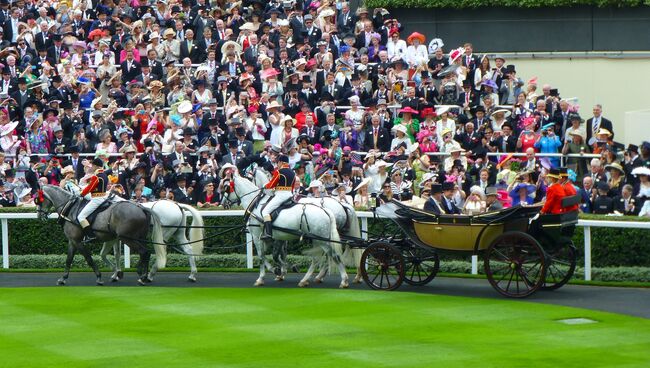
(523, 251)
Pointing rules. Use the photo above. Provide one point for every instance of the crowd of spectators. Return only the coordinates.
(167, 92)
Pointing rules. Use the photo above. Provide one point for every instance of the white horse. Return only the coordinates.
(347, 224)
(319, 223)
(173, 220)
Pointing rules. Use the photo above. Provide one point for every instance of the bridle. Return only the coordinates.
(230, 188)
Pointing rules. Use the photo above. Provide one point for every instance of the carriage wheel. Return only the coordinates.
(421, 265)
(515, 264)
(562, 264)
(382, 266)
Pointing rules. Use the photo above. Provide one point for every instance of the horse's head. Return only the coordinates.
(230, 197)
(235, 189)
(44, 205)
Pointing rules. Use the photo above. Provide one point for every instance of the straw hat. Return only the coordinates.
(224, 167)
(155, 84)
(7, 129)
(227, 44)
(67, 170)
(153, 35)
(506, 113)
(249, 26)
(363, 183)
(273, 105)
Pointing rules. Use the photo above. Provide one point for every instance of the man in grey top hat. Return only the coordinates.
(492, 202)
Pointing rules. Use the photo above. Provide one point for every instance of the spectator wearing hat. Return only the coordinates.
(447, 202)
(554, 193)
(475, 202)
(603, 204)
(433, 203)
(59, 144)
(616, 179)
(492, 202)
(182, 192)
(632, 160)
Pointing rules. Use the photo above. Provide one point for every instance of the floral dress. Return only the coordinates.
(37, 141)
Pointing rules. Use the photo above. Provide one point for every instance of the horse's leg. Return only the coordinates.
(324, 267)
(337, 260)
(143, 265)
(104, 254)
(89, 259)
(357, 261)
(117, 252)
(193, 271)
(260, 245)
(283, 262)
(68, 262)
(310, 271)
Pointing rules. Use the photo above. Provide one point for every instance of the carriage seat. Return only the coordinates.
(571, 201)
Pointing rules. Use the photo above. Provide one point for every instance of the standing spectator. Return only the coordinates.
(597, 122)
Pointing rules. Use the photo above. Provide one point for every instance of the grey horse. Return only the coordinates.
(124, 221)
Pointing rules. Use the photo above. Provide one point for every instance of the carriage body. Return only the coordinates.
(516, 243)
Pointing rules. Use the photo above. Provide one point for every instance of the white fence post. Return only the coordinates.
(364, 228)
(5, 243)
(127, 256)
(474, 265)
(588, 253)
(249, 250)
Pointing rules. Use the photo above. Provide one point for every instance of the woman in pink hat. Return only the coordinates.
(411, 124)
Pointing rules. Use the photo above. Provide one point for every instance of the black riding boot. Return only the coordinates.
(88, 234)
(268, 230)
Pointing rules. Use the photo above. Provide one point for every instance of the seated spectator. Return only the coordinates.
(475, 202)
(603, 204)
(341, 195)
(492, 202)
(625, 204)
(522, 193)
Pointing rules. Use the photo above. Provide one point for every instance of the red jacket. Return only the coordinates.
(569, 191)
(554, 195)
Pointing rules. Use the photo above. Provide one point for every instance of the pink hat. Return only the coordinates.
(152, 125)
(533, 80)
(409, 110)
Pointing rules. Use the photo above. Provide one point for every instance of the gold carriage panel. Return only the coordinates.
(459, 236)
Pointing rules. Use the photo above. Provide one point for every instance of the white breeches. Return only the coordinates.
(280, 197)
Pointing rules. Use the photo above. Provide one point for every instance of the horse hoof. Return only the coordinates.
(344, 285)
(191, 278)
(143, 281)
(99, 283)
(120, 275)
(357, 280)
(259, 283)
(115, 279)
(279, 278)
(60, 282)
(318, 281)
(303, 283)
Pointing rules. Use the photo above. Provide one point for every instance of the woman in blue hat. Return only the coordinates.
(522, 193)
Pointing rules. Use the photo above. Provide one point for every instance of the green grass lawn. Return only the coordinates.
(219, 327)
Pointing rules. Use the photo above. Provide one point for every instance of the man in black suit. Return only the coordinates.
(324, 134)
(243, 145)
(598, 122)
(332, 90)
(7, 84)
(178, 155)
(206, 41)
(183, 193)
(468, 98)
(364, 38)
(377, 137)
(309, 130)
(5, 13)
(75, 161)
(625, 203)
(313, 33)
(43, 38)
(345, 20)
(130, 68)
(231, 66)
(190, 49)
(155, 66)
(146, 76)
(632, 161)
(11, 25)
(307, 93)
(25, 52)
(603, 205)
(433, 203)
(54, 51)
(447, 202)
(233, 156)
(21, 96)
(469, 139)
(251, 53)
(506, 142)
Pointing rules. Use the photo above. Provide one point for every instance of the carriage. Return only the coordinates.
(523, 250)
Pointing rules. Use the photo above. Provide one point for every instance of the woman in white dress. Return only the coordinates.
(201, 95)
(376, 171)
(416, 52)
(644, 189)
(355, 113)
(445, 123)
(400, 137)
(275, 119)
(475, 203)
(396, 48)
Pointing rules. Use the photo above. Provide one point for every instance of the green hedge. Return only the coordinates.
(463, 4)
(610, 247)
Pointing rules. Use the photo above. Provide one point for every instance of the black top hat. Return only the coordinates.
(306, 78)
(56, 37)
(188, 131)
(240, 131)
(283, 158)
(602, 185)
(355, 76)
(510, 69)
(436, 188)
(447, 186)
(98, 162)
(232, 143)
(633, 148)
(467, 83)
(21, 80)
(74, 149)
(564, 172)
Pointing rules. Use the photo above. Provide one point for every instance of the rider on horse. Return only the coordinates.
(282, 185)
(97, 188)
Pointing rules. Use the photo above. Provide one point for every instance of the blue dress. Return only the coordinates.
(548, 144)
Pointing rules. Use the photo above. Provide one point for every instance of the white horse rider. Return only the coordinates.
(282, 184)
(98, 189)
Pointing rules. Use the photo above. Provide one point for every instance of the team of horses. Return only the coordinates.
(155, 225)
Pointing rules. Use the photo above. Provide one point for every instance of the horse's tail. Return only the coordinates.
(352, 256)
(196, 231)
(158, 239)
(335, 241)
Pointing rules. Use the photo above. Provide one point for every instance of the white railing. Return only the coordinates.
(363, 216)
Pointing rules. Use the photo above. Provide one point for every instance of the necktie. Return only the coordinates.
(223, 34)
(375, 136)
(596, 125)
